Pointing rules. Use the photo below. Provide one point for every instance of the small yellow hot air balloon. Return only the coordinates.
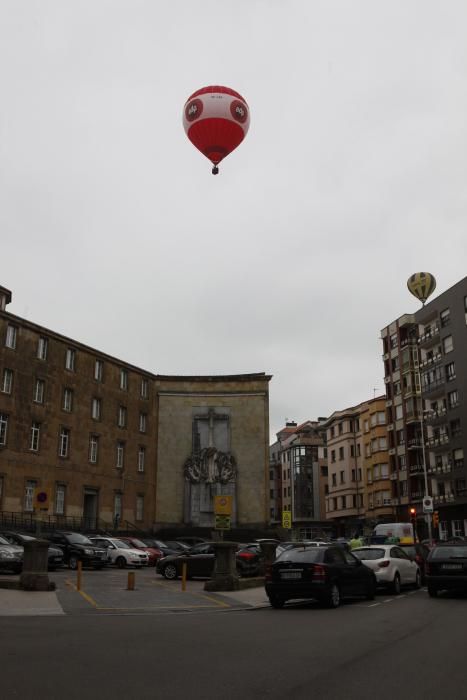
(421, 285)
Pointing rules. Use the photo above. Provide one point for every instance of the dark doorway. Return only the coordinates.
(90, 509)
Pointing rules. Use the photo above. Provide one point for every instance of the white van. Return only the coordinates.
(404, 531)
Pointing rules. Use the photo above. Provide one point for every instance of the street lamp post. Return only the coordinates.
(422, 285)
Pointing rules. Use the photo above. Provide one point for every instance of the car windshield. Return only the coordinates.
(307, 555)
(76, 538)
(368, 554)
(3, 540)
(449, 553)
(121, 544)
(138, 543)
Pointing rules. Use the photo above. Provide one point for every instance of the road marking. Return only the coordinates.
(388, 600)
(83, 594)
(221, 603)
(373, 605)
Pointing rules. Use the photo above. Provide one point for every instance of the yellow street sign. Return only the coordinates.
(41, 499)
(286, 519)
(223, 505)
(222, 522)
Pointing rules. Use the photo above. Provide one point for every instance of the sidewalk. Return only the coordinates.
(29, 603)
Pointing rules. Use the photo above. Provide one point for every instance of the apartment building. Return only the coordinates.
(345, 505)
(300, 451)
(425, 366)
(377, 492)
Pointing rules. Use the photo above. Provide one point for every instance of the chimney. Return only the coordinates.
(5, 298)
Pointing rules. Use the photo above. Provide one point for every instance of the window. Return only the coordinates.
(60, 499)
(141, 458)
(399, 412)
(70, 358)
(64, 442)
(341, 453)
(332, 432)
(29, 496)
(122, 417)
(123, 380)
(98, 370)
(142, 422)
(67, 400)
(42, 346)
(397, 388)
(450, 370)
(393, 341)
(271, 493)
(457, 528)
(39, 388)
(352, 451)
(333, 455)
(334, 479)
(341, 428)
(144, 388)
(117, 507)
(353, 476)
(93, 448)
(445, 317)
(140, 508)
(458, 456)
(7, 381)
(448, 345)
(455, 427)
(120, 455)
(453, 398)
(342, 477)
(10, 340)
(35, 433)
(324, 471)
(96, 409)
(3, 428)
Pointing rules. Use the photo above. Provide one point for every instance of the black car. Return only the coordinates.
(327, 574)
(200, 561)
(446, 568)
(11, 557)
(55, 555)
(77, 547)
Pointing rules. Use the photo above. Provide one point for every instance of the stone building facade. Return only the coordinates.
(107, 442)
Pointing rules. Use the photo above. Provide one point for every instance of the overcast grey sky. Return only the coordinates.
(352, 177)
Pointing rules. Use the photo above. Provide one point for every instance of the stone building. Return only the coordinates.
(108, 443)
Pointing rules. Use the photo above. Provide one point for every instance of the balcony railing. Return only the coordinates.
(434, 415)
(440, 469)
(414, 443)
(429, 336)
(431, 360)
(446, 498)
(437, 441)
(434, 385)
(416, 469)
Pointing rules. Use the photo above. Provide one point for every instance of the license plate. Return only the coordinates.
(452, 566)
(291, 574)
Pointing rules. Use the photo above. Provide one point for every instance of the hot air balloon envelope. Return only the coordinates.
(216, 120)
(421, 285)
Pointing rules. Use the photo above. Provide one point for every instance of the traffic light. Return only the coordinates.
(413, 515)
(436, 519)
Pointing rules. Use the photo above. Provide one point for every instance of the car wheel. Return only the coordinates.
(396, 584)
(170, 572)
(73, 562)
(334, 598)
(120, 562)
(432, 592)
(371, 590)
(418, 580)
(276, 602)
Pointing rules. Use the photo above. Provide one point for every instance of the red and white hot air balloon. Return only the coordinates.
(216, 120)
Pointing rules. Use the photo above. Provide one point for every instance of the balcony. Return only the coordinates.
(430, 361)
(446, 498)
(414, 443)
(440, 469)
(393, 476)
(416, 469)
(458, 463)
(437, 441)
(417, 495)
(432, 416)
(435, 387)
(430, 337)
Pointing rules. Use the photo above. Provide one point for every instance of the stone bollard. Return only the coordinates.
(225, 577)
(268, 551)
(34, 576)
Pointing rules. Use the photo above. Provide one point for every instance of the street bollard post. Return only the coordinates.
(184, 577)
(79, 573)
(131, 581)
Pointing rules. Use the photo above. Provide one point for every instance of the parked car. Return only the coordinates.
(391, 565)
(177, 546)
(77, 547)
(419, 553)
(121, 553)
(164, 547)
(446, 568)
(191, 541)
(153, 552)
(327, 574)
(200, 562)
(11, 557)
(55, 555)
